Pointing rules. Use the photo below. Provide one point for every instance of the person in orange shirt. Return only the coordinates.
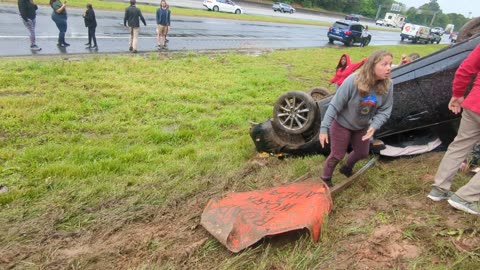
(344, 68)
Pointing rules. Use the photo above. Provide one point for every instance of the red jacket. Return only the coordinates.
(342, 74)
(463, 76)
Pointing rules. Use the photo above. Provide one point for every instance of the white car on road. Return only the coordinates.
(223, 6)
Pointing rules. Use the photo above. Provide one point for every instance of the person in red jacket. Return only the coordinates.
(344, 69)
(466, 198)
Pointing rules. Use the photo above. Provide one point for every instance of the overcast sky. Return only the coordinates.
(450, 6)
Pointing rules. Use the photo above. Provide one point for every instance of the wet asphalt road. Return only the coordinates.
(187, 34)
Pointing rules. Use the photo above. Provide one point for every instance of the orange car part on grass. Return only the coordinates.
(241, 219)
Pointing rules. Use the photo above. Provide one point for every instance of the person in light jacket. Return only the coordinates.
(361, 105)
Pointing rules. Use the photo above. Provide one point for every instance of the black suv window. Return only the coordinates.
(340, 25)
(356, 27)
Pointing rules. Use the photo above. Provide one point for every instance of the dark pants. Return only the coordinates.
(91, 35)
(61, 22)
(340, 139)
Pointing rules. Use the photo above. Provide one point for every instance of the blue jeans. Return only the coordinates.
(61, 22)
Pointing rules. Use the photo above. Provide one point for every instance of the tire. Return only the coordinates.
(402, 39)
(238, 11)
(349, 42)
(291, 11)
(470, 29)
(366, 42)
(294, 112)
(330, 40)
(318, 93)
(438, 41)
(215, 8)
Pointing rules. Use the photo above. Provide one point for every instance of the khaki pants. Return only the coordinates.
(134, 37)
(468, 135)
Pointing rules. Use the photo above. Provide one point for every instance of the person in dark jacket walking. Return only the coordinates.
(133, 15)
(163, 24)
(91, 24)
(28, 12)
(59, 16)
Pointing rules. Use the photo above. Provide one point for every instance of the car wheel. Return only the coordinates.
(438, 41)
(402, 38)
(238, 11)
(291, 11)
(318, 93)
(215, 8)
(366, 42)
(330, 40)
(294, 112)
(470, 29)
(349, 42)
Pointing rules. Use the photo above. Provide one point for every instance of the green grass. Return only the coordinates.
(105, 146)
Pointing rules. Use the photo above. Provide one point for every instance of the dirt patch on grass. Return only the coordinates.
(378, 232)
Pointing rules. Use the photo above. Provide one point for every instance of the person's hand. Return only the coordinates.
(323, 137)
(455, 104)
(369, 134)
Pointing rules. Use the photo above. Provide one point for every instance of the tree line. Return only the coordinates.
(429, 14)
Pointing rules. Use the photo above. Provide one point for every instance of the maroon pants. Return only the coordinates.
(340, 139)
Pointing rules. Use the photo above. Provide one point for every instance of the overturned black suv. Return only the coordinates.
(422, 90)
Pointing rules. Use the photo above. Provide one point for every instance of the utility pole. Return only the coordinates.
(433, 17)
(378, 12)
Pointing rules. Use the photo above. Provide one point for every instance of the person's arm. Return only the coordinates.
(88, 15)
(61, 8)
(354, 66)
(125, 18)
(157, 16)
(384, 111)
(168, 17)
(143, 19)
(335, 77)
(336, 104)
(465, 72)
(22, 8)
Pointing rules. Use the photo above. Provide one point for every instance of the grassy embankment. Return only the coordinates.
(109, 161)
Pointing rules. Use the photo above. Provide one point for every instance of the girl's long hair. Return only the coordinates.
(340, 63)
(365, 78)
